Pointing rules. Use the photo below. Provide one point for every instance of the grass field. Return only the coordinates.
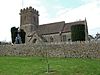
(58, 66)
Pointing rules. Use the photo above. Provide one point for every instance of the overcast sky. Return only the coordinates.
(50, 11)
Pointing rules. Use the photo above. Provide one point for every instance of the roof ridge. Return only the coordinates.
(53, 23)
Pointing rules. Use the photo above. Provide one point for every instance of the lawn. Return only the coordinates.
(58, 66)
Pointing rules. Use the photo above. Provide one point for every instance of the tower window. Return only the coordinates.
(25, 18)
(34, 19)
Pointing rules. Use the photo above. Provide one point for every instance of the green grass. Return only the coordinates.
(58, 66)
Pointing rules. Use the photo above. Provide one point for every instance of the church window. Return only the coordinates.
(51, 39)
(64, 38)
(34, 41)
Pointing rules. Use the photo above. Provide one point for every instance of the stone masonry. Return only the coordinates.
(67, 49)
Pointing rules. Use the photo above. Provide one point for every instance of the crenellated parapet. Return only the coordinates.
(29, 9)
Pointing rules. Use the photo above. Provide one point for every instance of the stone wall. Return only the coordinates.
(57, 37)
(67, 49)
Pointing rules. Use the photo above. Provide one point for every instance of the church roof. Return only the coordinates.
(51, 28)
(57, 27)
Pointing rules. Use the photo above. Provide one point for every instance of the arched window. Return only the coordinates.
(25, 18)
(34, 19)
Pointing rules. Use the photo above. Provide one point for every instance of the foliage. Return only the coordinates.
(78, 32)
(22, 35)
(14, 31)
(60, 66)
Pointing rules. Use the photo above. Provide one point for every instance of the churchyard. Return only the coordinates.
(29, 65)
(81, 58)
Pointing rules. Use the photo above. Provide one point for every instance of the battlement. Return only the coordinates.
(29, 9)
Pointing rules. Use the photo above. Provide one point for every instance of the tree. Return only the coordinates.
(14, 32)
(22, 35)
(78, 32)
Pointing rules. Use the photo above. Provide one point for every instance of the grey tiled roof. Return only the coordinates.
(51, 28)
(57, 27)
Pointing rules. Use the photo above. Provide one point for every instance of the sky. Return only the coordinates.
(50, 11)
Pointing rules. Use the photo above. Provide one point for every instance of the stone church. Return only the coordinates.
(52, 32)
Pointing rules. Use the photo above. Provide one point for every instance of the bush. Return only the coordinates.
(14, 32)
